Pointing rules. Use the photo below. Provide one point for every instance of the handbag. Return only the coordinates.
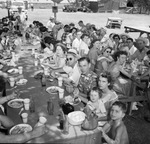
(91, 120)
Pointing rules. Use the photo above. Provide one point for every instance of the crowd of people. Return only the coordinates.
(99, 68)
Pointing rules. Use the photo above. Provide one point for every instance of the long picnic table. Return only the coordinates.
(33, 88)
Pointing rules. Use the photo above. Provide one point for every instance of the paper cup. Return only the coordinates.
(61, 93)
(36, 62)
(60, 81)
(12, 81)
(20, 69)
(24, 117)
(26, 103)
(42, 121)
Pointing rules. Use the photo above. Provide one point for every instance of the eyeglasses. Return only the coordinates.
(69, 59)
(108, 51)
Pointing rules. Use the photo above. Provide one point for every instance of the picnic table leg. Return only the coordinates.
(132, 94)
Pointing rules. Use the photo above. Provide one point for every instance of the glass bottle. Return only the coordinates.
(50, 107)
(43, 81)
(32, 105)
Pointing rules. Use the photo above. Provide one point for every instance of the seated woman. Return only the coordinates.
(105, 83)
(120, 75)
(59, 57)
(49, 49)
(103, 60)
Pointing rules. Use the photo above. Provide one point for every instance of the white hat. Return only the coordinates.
(72, 51)
(51, 17)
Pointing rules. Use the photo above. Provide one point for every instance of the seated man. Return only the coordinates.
(71, 68)
(88, 78)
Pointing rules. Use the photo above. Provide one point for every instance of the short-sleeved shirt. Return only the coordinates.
(139, 55)
(87, 82)
(74, 73)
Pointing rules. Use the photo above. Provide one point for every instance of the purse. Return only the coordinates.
(91, 120)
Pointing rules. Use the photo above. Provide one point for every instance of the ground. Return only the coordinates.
(138, 128)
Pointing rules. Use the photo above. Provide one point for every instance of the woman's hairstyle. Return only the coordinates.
(109, 78)
(121, 105)
(73, 29)
(116, 35)
(62, 46)
(93, 41)
(118, 54)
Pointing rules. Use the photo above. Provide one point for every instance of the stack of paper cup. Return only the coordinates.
(26, 103)
(12, 81)
(20, 68)
(60, 80)
(24, 117)
(61, 93)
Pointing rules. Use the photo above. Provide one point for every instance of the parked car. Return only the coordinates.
(69, 8)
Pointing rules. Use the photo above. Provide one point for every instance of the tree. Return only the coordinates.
(57, 1)
(143, 5)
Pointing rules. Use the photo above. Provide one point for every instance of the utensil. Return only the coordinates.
(21, 111)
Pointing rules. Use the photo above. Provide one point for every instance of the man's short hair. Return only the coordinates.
(131, 39)
(80, 21)
(84, 59)
(121, 105)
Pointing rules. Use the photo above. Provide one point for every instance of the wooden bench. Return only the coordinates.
(144, 96)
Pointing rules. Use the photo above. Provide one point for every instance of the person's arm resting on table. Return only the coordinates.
(22, 138)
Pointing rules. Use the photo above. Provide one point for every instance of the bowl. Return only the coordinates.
(76, 117)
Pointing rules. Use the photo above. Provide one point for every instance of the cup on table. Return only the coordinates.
(36, 62)
(20, 68)
(61, 93)
(42, 121)
(24, 117)
(12, 81)
(35, 55)
(26, 103)
(60, 80)
(46, 71)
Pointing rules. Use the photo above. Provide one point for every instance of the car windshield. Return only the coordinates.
(17, 3)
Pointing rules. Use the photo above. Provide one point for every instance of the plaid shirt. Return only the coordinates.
(87, 82)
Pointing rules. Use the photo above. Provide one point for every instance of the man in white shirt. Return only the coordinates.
(83, 48)
(131, 46)
(77, 41)
(72, 67)
(50, 23)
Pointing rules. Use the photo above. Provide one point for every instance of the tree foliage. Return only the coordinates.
(57, 1)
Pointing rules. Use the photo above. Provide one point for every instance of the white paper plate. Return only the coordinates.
(16, 103)
(20, 128)
(13, 71)
(21, 82)
(69, 99)
(52, 90)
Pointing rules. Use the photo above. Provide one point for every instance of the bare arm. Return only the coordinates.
(6, 122)
(117, 140)
(22, 138)
(105, 65)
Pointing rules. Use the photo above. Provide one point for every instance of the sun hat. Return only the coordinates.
(124, 34)
(72, 51)
(142, 39)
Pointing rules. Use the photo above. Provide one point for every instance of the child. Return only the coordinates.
(96, 104)
(115, 128)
